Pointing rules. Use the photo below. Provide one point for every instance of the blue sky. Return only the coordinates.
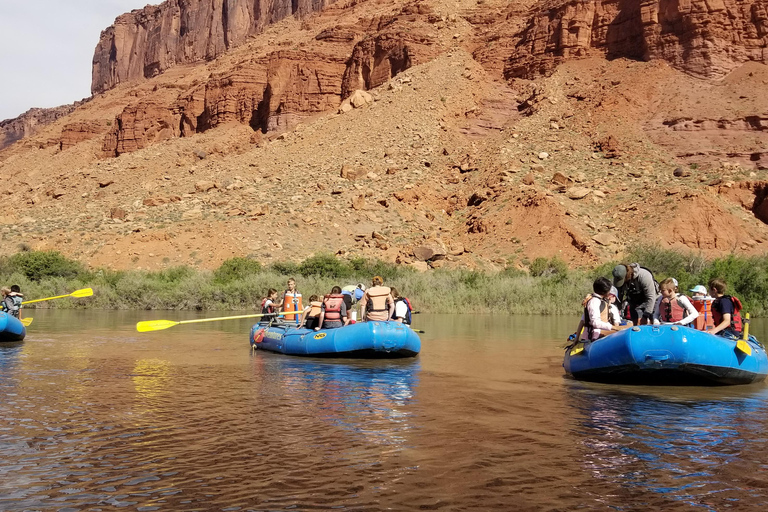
(46, 47)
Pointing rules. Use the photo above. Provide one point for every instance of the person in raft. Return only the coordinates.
(403, 308)
(672, 308)
(614, 316)
(292, 302)
(269, 305)
(639, 289)
(333, 311)
(377, 302)
(594, 321)
(12, 298)
(310, 318)
(726, 310)
(699, 292)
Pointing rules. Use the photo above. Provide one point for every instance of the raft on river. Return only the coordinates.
(11, 328)
(667, 354)
(372, 340)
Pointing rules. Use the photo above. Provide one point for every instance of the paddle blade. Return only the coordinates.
(578, 349)
(744, 347)
(26, 321)
(85, 292)
(155, 325)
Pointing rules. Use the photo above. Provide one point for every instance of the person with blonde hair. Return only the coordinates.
(377, 302)
(671, 308)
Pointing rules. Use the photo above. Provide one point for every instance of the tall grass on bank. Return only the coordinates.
(547, 287)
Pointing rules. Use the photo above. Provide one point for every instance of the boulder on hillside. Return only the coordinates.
(357, 99)
(352, 173)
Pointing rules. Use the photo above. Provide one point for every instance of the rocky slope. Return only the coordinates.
(490, 134)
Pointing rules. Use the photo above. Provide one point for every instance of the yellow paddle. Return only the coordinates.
(742, 343)
(26, 321)
(159, 325)
(85, 292)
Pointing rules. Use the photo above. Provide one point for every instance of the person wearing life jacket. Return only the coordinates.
(292, 302)
(726, 310)
(403, 308)
(269, 305)
(12, 298)
(333, 311)
(377, 302)
(672, 308)
(310, 317)
(594, 322)
(638, 289)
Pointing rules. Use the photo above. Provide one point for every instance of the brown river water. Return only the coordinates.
(95, 416)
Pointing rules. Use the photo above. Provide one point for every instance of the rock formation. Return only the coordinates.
(30, 122)
(146, 42)
(706, 38)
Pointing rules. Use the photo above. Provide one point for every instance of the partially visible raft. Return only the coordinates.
(11, 328)
(372, 340)
(667, 354)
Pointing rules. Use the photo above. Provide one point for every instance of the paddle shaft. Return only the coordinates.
(47, 298)
(224, 318)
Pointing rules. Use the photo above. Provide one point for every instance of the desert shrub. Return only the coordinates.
(285, 268)
(38, 265)
(543, 267)
(235, 269)
(324, 265)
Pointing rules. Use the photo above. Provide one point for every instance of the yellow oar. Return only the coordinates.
(742, 343)
(26, 321)
(85, 292)
(159, 325)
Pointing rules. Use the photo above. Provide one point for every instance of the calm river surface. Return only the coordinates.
(95, 416)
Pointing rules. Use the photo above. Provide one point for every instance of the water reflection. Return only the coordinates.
(369, 399)
(684, 447)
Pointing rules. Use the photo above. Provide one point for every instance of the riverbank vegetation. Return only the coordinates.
(548, 286)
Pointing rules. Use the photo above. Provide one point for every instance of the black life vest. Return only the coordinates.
(634, 293)
(409, 309)
(266, 310)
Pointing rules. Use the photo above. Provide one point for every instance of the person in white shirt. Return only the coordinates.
(672, 308)
(594, 322)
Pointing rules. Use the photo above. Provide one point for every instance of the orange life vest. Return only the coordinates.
(292, 302)
(705, 321)
(671, 310)
(376, 308)
(333, 304)
(314, 308)
(735, 317)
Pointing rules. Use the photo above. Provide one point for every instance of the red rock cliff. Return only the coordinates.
(706, 38)
(146, 42)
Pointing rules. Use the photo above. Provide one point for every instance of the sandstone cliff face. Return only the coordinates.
(268, 94)
(146, 42)
(706, 38)
(30, 122)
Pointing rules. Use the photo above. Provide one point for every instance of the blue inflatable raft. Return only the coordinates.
(11, 328)
(372, 340)
(667, 354)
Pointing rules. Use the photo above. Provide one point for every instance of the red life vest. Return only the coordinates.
(333, 304)
(736, 323)
(269, 309)
(671, 310)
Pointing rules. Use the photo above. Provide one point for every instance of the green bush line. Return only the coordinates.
(547, 287)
